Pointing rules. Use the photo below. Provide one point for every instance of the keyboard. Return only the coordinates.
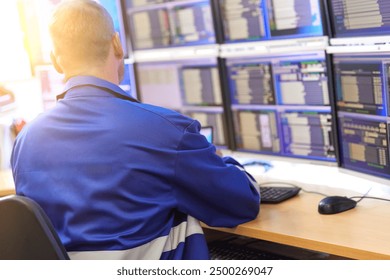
(222, 250)
(277, 194)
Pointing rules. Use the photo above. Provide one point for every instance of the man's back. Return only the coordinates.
(116, 175)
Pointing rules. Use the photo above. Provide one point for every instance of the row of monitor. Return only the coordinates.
(333, 109)
(304, 105)
(162, 23)
(268, 97)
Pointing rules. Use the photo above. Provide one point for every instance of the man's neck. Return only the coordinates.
(99, 72)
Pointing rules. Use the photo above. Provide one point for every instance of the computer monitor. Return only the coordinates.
(171, 24)
(359, 18)
(301, 80)
(281, 105)
(128, 83)
(259, 20)
(190, 86)
(362, 95)
(193, 24)
(114, 8)
(251, 83)
(364, 144)
(295, 19)
(243, 20)
(207, 131)
(360, 82)
(214, 118)
(149, 28)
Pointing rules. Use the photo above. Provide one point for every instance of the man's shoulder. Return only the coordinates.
(173, 117)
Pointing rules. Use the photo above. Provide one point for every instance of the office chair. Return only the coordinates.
(26, 233)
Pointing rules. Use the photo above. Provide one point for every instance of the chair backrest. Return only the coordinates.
(26, 233)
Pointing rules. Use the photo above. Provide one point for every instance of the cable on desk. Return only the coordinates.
(267, 165)
(361, 197)
(366, 196)
(370, 197)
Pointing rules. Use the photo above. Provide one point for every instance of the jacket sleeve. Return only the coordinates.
(215, 190)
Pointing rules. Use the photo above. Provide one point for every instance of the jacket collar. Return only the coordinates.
(90, 81)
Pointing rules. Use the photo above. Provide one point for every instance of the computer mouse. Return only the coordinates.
(335, 204)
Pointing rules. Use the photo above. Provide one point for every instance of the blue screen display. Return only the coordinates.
(298, 18)
(360, 18)
(361, 83)
(173, 24)
(281, 105)
(128, 82)
(364, 144)
(271, 19)
(113, 7)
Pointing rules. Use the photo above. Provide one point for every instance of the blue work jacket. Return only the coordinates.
(124, 180)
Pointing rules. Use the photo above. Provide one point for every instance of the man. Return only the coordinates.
(120, 179)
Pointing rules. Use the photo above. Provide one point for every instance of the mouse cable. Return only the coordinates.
(361, 197)
(287, 184)
(370, 197)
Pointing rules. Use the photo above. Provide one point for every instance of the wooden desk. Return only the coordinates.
(360, 233)
(7, 185)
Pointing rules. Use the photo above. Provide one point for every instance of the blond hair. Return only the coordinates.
(81, 32)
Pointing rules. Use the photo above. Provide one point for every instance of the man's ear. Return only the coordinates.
(55, 63)
(118, 50)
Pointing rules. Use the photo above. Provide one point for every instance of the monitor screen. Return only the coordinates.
(281, 105)
(214, 118)
(364, 144)
(270, 19)
(362, 94)
(177, 83)
(243, 20)
(207, 131)
(159, 84)
(190, 86)
(114, 8)
(296, 18)
(359, 18)
(170, 24)
(301, 81)
(361, 83)
(252, 83)
(128, 82)
(193, 24)
(200, 85)
(308, 133)
(150, 29)
(256, 130)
